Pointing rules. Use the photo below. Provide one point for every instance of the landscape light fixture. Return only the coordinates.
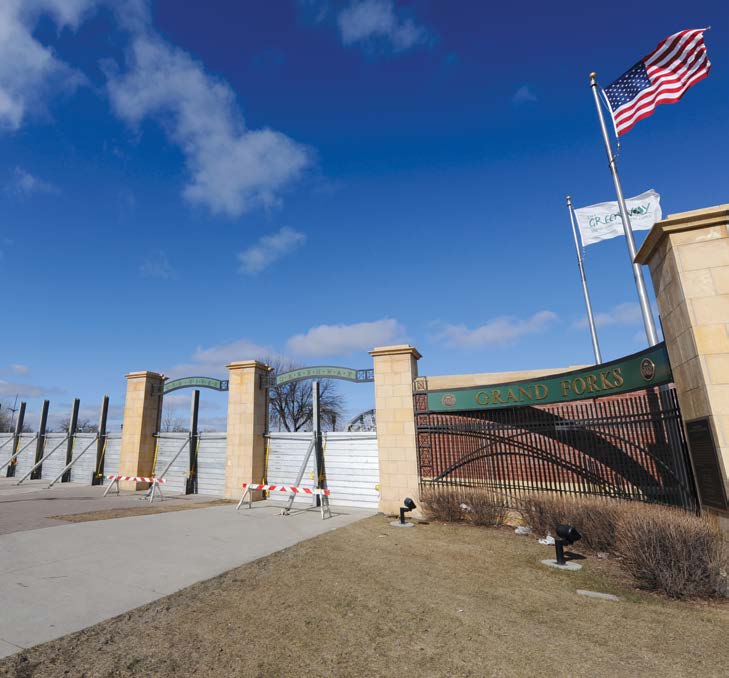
(409, 505)
(567, 535)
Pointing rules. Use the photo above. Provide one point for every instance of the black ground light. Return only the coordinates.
(409, 505)
(567, 535)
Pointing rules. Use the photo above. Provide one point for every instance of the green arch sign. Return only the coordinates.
(323, 372)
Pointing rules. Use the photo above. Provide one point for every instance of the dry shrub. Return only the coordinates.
(542, 512)
(442, 504)
(483, 507)
(595, 518)
(672, 551)
(663, 549)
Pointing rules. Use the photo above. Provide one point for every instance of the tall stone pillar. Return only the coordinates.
(142, 411)
(688, 256)
(395, 370)
(245, 456)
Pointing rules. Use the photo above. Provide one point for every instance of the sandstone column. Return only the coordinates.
(688, 256)
(395, 369)
(247, 416)
(142, 412)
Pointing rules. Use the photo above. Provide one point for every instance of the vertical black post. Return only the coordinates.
(191, 485)
(16, 439)
(316, 429)
(72, 424)
(97, 475)
(41, 440)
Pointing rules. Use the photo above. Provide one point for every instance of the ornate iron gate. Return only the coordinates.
(628, 446)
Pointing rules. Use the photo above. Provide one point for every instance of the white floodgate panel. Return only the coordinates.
(211, 464)
(83, 470)
(55, 463)
(27, 457)
(168, 445)
(111, 455)
(350, 459)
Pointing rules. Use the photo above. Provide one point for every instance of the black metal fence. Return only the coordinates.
(629, 447)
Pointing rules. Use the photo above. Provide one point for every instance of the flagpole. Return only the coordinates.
(645, 307)
(583, 277)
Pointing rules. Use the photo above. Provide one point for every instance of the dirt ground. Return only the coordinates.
(372, 600)
(146, 510)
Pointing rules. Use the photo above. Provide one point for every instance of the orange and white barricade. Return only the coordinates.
(292, 491)
(155, 489)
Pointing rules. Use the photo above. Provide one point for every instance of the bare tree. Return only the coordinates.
(291, 404)
(6, 417)
(82, 426)
(171, 421)
(9, 418)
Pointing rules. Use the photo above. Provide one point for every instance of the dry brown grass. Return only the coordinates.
(371, 600)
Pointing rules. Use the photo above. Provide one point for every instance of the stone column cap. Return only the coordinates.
(144, 374)
(682, 221)
(398, 349)
(248, 364)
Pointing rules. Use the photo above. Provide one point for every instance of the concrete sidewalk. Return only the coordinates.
(30, 506)
(62, 579)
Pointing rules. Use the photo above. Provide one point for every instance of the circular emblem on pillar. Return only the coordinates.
(647, 369)
(448, 400)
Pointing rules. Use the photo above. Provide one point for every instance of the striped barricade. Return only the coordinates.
(155, 489)
(290, 490)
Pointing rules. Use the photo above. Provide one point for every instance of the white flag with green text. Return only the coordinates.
(602, 221)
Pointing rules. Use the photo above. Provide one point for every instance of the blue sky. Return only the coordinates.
(185, 184)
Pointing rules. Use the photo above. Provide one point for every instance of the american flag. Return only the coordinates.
(661, 77)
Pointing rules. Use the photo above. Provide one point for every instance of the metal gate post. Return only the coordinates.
(316, 428)
(97, 475)
(16, 438)
(191, 483)
(40, 444)
(72, 424)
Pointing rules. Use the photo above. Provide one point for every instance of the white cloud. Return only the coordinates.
(211, 361)
(17, 368)
(496, 332)
(524, 95)
(269, 249)
(623, 315)
(157, 266)
(232, 168)
(329, 340)
(30, 71)
(365, 20)
(9, 388)
(24, 183)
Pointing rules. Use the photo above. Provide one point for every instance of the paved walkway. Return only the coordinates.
(57, 580)
(30, 506)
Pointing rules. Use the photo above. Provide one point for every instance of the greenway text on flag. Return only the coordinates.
(661, 77)
(602, 221)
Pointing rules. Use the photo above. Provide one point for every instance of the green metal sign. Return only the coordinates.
(640, 370)
(324, 372)
(195, 382)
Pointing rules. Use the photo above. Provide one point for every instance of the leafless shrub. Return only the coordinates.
(442, 504)
(663, 549)
(595, 518)
(672, 551)
(484, 507)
